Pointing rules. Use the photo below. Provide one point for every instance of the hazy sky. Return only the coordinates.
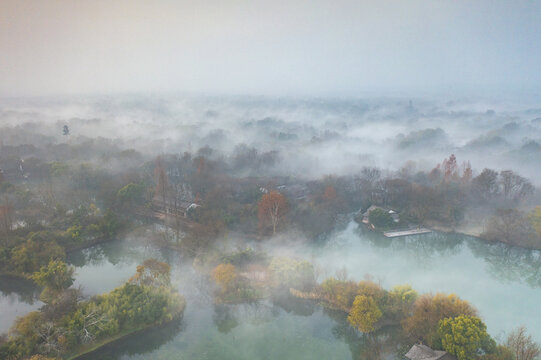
(273, 47)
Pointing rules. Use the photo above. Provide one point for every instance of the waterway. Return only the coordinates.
(503, 282)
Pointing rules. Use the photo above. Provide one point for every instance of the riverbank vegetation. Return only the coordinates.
(441, 321)
(67, 325)
(247, 275)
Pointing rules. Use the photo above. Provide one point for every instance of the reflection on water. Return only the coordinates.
(503, 282)
(22, 289)
(140, 343)
(17, 297)
(510, 264)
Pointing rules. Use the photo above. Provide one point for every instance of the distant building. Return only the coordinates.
(172, 206)
(423, 352)
(178, 201)
(294, 191)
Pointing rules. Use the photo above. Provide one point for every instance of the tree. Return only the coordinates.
(500, 353)
(515, 187)
(467, 172)
(450, 168)
(370, 174)
(330, 193)
(65, 130)
(292, 273)
(364, 313)
(272, 208)
(340, 293)
(400, 301)
(511, 226)
(6, 219)
(465, 337)
(535, 219)
(380, 218)
(108, 224)
(485, 184)
(225, 276)
(522, 346)
(56, 277)
(162, 182)
(132, 194)
(428, 310)
(152, 273)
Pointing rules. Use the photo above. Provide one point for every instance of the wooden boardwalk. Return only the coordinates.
(392, 234)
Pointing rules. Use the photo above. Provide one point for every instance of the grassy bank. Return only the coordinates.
(94, 347)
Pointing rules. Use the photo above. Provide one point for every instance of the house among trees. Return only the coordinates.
(176, 201)
(393, 214)
(423, 352)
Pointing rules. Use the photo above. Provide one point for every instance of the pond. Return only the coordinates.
(504, 283)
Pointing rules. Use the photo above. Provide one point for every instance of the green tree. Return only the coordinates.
(109, 223)
(364, 313)
(55, 278)
(340, 293)
(465, 337)
(132, 194)
(380, 218)
(400, 301)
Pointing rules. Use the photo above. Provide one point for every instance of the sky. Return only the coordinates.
(289, 47)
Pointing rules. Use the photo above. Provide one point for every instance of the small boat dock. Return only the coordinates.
(417, 231)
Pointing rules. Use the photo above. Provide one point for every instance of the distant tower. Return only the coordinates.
(66, 130)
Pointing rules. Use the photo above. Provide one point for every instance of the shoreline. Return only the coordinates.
(471, 232)
(85, 351)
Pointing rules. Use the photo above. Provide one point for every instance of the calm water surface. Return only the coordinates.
(503, 283)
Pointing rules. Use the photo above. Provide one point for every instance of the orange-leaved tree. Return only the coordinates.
(272, 208)
(428, 310)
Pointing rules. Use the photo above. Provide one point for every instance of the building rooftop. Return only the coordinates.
(423, 352)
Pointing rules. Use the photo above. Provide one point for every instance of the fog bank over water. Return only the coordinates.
(301, 137)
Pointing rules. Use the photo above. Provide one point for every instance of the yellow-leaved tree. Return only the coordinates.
(225, 276)
(464, 336)
(364, 313)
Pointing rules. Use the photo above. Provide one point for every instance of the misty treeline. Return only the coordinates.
(219, 192)
(447, 197)
(452, 194)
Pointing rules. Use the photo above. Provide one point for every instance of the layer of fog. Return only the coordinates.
(307, 138)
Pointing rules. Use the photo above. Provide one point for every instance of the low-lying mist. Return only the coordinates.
(304, 138)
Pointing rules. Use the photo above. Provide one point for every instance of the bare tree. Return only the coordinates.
(522, 345)
(371, 174)
(49, 334)
(485, 184)
(272, 207)
(93, 320)
(514, 186)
